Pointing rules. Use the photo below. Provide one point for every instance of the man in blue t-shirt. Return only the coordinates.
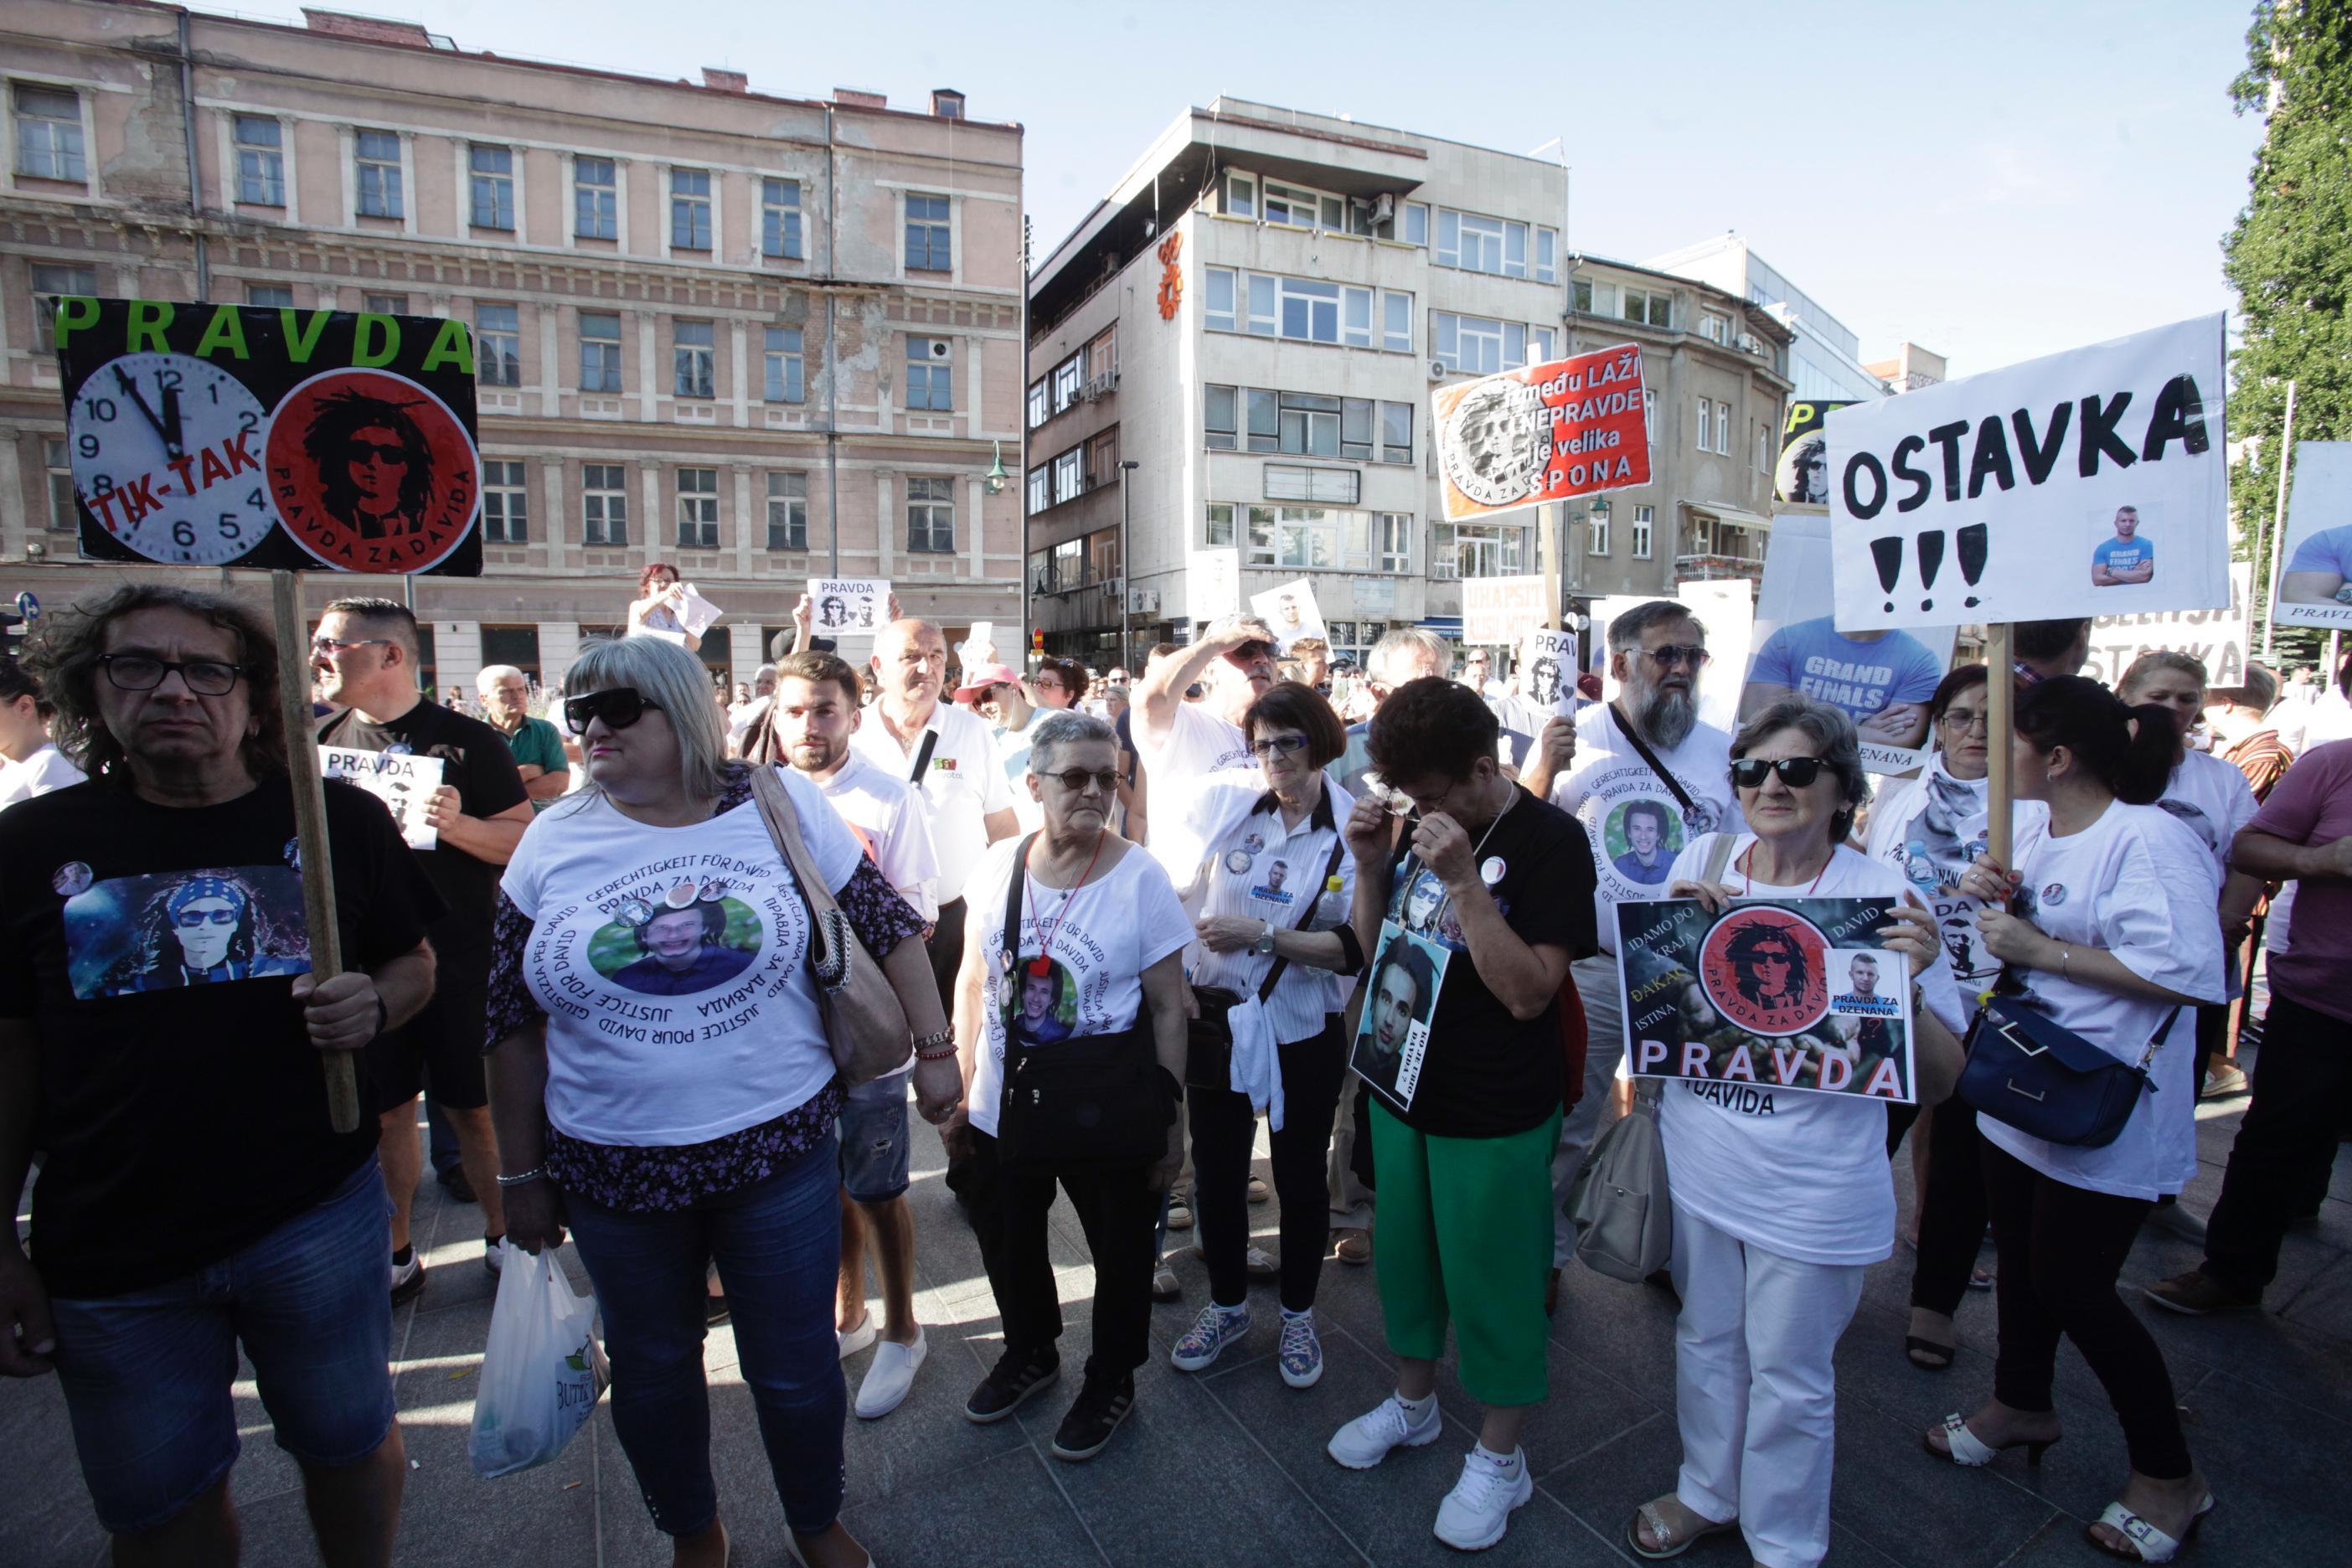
(1883, 679)
(2125, 558)
(2319, 568)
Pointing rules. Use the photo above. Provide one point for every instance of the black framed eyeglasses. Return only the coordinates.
(1075, 780)
(1797, 773)
(618, 706)
(1279, 745)
(1687, 653)
(142, 672)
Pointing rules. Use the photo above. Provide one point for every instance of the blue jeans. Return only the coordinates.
(147, 1374)
(778, 1246)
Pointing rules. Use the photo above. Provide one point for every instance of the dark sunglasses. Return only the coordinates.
(618, 706)
(361, 451)
(1795, 771)
(1075, 780)
(1676, 653)
(1249, 653)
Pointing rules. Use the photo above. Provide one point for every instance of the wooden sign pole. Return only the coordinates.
(2000, 723)
(310, 829)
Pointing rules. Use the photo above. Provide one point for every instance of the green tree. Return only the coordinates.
(2289, 256)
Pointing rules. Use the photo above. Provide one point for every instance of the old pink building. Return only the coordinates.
(765, 338)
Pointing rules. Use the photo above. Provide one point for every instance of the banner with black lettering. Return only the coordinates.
(207, 435)
(2092, 482)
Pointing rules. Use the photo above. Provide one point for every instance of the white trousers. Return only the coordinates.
(1604, 1048)
(1756, 1388)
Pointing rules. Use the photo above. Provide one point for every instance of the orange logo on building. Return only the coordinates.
(1172, 277)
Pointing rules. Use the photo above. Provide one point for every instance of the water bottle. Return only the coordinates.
(1331, 907)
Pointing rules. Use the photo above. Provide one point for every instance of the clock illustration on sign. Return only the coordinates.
(1492, 447)
(166, 452)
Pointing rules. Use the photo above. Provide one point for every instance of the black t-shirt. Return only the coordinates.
(1487, 1075)
(476, 763)
(153, 950)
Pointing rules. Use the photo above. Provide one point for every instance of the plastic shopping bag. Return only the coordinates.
(543, 1371)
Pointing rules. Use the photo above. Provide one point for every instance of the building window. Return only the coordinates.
(1476, 550)
(267, 295)
(788, 511)
(260, 162)
(787, 378)
(1240, 196)
(698, 508)
(1416, 222)
(1041, 489)
(689, 209)
(48, 133)
(927, 234)
(493, 181)
(1220, 408)
(600, 352)
(1723, 429)
(1396, 432)
(1217, 526)
(376, 156)
(694, 358)
(59, 463)
(1396, 327)
(1069, 476)
(1479, 244)
(1705, 424)
(1307, 310)
(1477, 346)
(1069, 380)
(497, 345)
(1102, 357)
(1539, 345)
(1261, 411)
(1393, 531)
(1102, 458)
(931, 374)
(1304, 209)
(1650, 414)
(1763, 440)
(780, 218)
(1546, 256)
(506, 507)
(1293, 481)
(1644, 523)
(1040, 406)
(1650, 308)
(48, 281)
(595, 199)
(930, 516)
(1581, 296)
(384, 304)
(1714, 327)
(1598, 543)
(604, 504)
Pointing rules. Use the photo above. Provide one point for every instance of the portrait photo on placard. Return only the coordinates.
(2314, 584)
(1399, 998)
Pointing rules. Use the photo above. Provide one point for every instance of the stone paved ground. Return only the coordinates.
(1228, 1468)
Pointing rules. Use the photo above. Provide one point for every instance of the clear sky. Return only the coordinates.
(1993, 181)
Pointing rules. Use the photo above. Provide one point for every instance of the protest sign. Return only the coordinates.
(1799, 993)
(1883, 679)
(2314, 583)
(2093, 479)
(1212, 587)
(1496, 610)
(1392, 1035)
(230, 434)
(1572, 428)
(2217, 638)
(1801, 478)
(1549, 680)
(1292, 612)
(849, 606)
(404, 782)
(1725, 608)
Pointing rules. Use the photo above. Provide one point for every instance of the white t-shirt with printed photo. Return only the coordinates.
(1199, 747)
(1623, 806)
(2211, 799)
(1800, 1174)
(2139, 884)
(1102, 938)
(960, 786)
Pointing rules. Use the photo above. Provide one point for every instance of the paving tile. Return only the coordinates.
(1008, 1510)
(45, 1510)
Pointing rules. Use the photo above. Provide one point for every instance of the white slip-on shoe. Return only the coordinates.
(890, 1377)
(858, 1337)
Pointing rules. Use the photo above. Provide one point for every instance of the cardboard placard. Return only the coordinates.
(2096, 479)
(402, 781)
(1575, 427)
(2315, 583)
(1212, 587)
(1292, 612)
(849, 606)
(1496, 610)
(1801, 476)
(239, 436)
(1548, 671)
(2220, 640)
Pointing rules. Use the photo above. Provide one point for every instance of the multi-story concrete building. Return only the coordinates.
(1236, 348)
(762, 338)
(1910, 368)
(1825, 360)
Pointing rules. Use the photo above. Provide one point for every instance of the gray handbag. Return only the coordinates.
(1624, 1217)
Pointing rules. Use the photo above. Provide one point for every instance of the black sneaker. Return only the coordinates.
(1101, 1405)
(407, 1278)
(1006, 1389)
(714, 1310)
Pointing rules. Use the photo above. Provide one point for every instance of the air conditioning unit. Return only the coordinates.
(1100, 387)
(939, 348)
(1143, 601)
(1383, 207)
(1437, 370)
(1748, 345)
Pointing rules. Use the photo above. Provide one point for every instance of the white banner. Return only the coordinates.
(849, 606)
(404, 782)
(2095, 480)
(2222, 638)
(1214, 586)
(2314, 584)
(1496, 610)
(1292, 612)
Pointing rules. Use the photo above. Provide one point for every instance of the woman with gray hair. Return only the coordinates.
(1768, 1281)
(1084, 995)
(662, 1080)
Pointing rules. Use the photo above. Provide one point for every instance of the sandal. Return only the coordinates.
(2148, 1544)
(1660, 1530)
(1915, 1348)
(1965, 1449)
(1981, 1280)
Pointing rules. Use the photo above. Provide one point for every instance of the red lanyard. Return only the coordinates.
(1748, 883)
(1042, 964)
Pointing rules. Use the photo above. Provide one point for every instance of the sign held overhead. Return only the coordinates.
(1573, 427)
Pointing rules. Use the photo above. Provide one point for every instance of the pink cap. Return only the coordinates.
(981, 677)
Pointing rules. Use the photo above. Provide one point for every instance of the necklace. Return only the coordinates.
(1412, 868)
(1747, 882)
(1042, 964)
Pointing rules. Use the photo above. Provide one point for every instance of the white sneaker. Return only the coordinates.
(890, 1377)
(1478, 1510)
(1366, 1441)
(857, 1339)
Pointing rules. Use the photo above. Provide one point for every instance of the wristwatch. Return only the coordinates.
(1265, 943)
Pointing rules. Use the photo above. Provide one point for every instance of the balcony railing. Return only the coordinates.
(1708, 568)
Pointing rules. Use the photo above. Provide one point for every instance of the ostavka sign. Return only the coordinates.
(229, 435)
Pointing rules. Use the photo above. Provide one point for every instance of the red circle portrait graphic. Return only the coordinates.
(1767, 970)
(370, 472)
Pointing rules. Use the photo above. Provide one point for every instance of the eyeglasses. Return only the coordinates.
(138, 672)
(1673, 654)
(332, 645)
(1962, 720)
(395, 456)
(1795, 771)
(618, 706)
(1249, 653)
(1075, 780)
(1279, 745)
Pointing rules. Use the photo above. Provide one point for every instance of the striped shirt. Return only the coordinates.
(1260, 869)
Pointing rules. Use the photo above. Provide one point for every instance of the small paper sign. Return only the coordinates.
(1292, 612)
(849, 606)
(403, 783)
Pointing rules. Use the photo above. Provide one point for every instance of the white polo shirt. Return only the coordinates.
(882, 811)
(964, 782)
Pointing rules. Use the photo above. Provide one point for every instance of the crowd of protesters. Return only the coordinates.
(1124, 915)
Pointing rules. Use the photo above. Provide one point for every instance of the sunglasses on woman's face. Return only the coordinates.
(619, 707)
(1795, 771)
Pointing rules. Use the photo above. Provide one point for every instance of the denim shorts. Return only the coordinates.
(147, 1374)
(872, 1128)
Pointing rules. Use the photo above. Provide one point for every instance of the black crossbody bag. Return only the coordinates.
(1087, 1101)
(1642, 750)
(1209, 1039)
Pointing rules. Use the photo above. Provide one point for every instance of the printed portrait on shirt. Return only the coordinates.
(176, 929)
(694, 938)
(1041, 1003)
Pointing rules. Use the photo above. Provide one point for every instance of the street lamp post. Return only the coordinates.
(1126, 571)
